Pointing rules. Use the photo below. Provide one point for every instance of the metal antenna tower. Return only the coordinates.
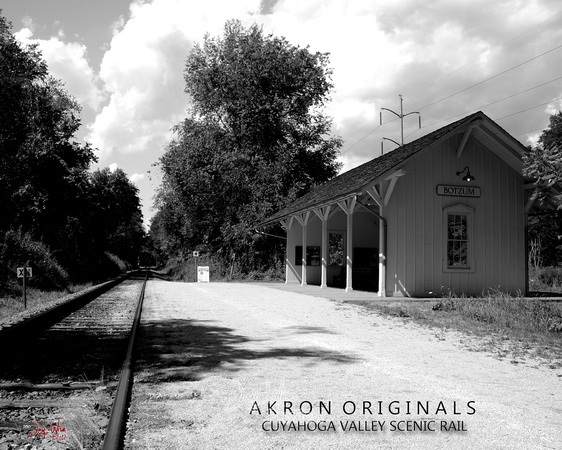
(401, 117)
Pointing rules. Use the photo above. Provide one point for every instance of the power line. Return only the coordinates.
(530, 131)
(488, 104)
(486, 54)
(505, 117)
(492, 77)
(362, 139)
(528, 109)
(476, 84)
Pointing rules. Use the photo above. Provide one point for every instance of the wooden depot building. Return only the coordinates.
(444, 213)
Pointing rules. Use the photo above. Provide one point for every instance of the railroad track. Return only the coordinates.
(66, 374)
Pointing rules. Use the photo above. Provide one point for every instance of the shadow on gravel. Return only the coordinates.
(310, 330)
(185, 350)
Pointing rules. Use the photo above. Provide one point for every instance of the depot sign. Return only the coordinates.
(458, 191)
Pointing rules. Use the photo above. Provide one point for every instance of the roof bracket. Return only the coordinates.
(323, 212)
(375, 195)
(348, 204)
(303, 218)
(287, 223)
(473, 124)
(393, 178)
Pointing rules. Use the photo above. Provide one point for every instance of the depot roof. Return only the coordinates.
(355, 181)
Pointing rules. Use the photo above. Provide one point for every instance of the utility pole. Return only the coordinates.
(401, 117)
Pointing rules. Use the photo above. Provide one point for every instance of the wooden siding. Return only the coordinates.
(416, 234)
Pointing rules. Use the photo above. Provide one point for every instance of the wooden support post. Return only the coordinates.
(348, 206)
(287, 224)
(303, 220)
(382, 255)
(323, 213)
(377, 196)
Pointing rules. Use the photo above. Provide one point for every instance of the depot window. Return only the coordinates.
(459, 241)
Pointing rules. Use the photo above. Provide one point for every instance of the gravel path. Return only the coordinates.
(214, 355)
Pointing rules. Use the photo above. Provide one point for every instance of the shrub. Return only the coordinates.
(545, 278)
(19, 248)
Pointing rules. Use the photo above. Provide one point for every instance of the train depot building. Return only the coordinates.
(444, 213)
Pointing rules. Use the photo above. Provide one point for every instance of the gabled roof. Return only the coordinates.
(356, 180)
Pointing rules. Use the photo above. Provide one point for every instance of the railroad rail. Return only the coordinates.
(67, 347)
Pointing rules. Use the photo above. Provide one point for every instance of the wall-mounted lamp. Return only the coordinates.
(468, 176)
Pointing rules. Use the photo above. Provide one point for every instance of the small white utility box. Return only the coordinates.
(202, 274)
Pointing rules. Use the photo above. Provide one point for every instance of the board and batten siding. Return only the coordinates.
(417, 232)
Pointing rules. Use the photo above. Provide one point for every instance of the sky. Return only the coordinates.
(123, 61)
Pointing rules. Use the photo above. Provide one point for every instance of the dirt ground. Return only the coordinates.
(241, 366)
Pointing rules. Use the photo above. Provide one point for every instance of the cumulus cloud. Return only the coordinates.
(113, 167)
(136, 177)
(67, 61)
(143, 71)
(447, 58)
(429, 52)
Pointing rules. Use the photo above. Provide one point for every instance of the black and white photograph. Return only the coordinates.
(280, 224)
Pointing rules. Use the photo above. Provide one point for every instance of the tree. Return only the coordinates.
(544, 164)
(118, 216)
(544, 161)
(255, 140)
(51, 204)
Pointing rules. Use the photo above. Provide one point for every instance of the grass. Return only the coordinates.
(86, 425)
(11, 305)
(507, 326)
(545, 279)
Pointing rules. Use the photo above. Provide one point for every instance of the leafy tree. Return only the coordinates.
(255, 140)
(41, 168)
(544, 164)
(51, 205)
(118, 216)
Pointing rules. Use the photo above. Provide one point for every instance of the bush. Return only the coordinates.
(503, 310)
(179, 269)
(545, 278)
(17, 249)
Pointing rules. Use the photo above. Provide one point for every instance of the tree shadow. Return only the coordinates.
(310, 330)
(72, 355)
(186, 350)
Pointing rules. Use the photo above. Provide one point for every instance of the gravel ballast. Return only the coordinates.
(242, 366)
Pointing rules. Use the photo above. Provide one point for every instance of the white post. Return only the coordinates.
(323, 214)
(378, 196)
(382, 256)
(349, 268)
(348, 205)
(287, 224)
(303, 220)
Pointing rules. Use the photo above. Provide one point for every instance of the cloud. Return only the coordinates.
(113, 167)
(136, 177)
(143, 71)
(447, 58)
(431, 53)
(67, 61)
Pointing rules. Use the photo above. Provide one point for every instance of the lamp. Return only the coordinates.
(468, 176)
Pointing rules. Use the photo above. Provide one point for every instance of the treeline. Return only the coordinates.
(68, 223)
(255, 139)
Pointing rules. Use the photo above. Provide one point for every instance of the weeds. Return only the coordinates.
(504, 324)
(13, 304)
(505, 312)
(545, 279)
(178, 269)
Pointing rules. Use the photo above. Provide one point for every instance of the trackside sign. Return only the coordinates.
(458, 191)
